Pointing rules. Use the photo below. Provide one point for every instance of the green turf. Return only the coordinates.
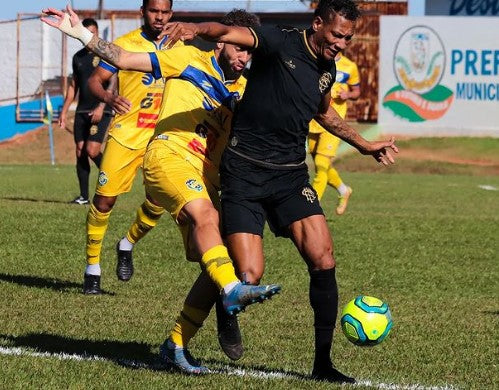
(427, 244)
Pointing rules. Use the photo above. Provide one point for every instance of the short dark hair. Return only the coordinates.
(240, 17)
(326, 9)
(89, 22)
(146, 2)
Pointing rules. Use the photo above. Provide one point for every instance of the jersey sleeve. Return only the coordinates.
(354, 78)
(268, 39)
(172, 62)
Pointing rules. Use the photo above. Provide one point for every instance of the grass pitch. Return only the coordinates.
(426, 244)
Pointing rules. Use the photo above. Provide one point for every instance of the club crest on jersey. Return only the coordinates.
(194, 185)
(325, 81)
(93, 130)
(102, 178)
(308, 193)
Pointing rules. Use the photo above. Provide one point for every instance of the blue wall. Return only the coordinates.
(8, 125)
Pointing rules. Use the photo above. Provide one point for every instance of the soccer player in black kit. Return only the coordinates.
(92, 117)
(263, 172)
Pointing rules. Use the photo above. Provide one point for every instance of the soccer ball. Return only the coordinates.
(366, 320)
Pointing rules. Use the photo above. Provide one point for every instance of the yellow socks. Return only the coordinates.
(333, 178)
(219, 266)
(97, 223)
(188, 323)
(148, 215)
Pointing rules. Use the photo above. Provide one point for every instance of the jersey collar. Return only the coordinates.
(309, 49)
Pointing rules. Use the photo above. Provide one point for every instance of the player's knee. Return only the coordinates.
(104, 203)
(208, 216)
(93, 152)
(323, 259)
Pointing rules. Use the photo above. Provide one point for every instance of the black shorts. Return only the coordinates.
(253, 194)
(84, 130)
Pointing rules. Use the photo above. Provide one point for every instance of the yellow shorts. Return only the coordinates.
(323, 143)
(118, 168)
(172, 181)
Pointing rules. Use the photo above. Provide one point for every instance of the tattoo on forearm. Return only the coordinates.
(342, 129)
(106, 50)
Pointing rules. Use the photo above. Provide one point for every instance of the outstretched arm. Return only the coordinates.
(69, 23)
(210, 31)
(333, 123)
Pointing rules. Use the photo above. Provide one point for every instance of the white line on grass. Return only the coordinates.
(488, 187)
(227, 370)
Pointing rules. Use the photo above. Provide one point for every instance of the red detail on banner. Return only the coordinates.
(424, 108)
(197, 146)
(146, 121)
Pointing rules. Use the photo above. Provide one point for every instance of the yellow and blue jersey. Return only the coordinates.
(134, 129)
(347, 75)
(196, 115)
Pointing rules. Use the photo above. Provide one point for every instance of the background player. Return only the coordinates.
(137, 105)
(322, 144)
(92, 118)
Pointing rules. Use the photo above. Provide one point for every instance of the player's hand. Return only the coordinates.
(178, 31)
(68, 22)
(96, 114)
(62, 121)
(120, 104)
(60, 20)
(344, 95)
(381, 151)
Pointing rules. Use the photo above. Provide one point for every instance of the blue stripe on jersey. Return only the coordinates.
(217, 67)
(156, 69)
(108, 67)
(214, 88)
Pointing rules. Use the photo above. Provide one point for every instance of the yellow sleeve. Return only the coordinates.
(354, 78)
(172, 62)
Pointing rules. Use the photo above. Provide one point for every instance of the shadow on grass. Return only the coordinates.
(123, 353)
(19, 199)
(51, 283)
(133, 355)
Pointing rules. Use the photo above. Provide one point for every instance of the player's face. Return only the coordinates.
(156, 14)
(233, 60)
(332, 36)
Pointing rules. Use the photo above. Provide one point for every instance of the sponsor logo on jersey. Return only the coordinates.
(309, 194)
(290, 64)
(102, 178)
(194, 185)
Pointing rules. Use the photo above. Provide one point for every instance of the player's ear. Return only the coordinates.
(142, 11)
(220, 45)
(317, 23)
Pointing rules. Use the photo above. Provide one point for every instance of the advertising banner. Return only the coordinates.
(439, 75)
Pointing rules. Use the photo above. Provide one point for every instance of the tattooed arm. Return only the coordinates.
(328, 118)
(69, 23)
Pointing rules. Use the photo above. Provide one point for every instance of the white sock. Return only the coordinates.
(125, 245)
(93, 269)
(342, 189)
(230, 286)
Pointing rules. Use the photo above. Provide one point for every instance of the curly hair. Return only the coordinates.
(326, 9)
(239, 17)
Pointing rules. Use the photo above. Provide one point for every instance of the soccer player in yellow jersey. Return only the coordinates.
(322, 144)
(136, 105)
(181, 165)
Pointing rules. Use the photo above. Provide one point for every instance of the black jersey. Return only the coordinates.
(84, 63)
(286, 83)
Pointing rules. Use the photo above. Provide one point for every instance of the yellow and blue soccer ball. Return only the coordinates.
(366, 320)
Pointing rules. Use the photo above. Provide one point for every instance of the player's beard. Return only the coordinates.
(229, 73)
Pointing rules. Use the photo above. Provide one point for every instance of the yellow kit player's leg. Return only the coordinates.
(321, 171)
(148, 215)
(97, 223)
